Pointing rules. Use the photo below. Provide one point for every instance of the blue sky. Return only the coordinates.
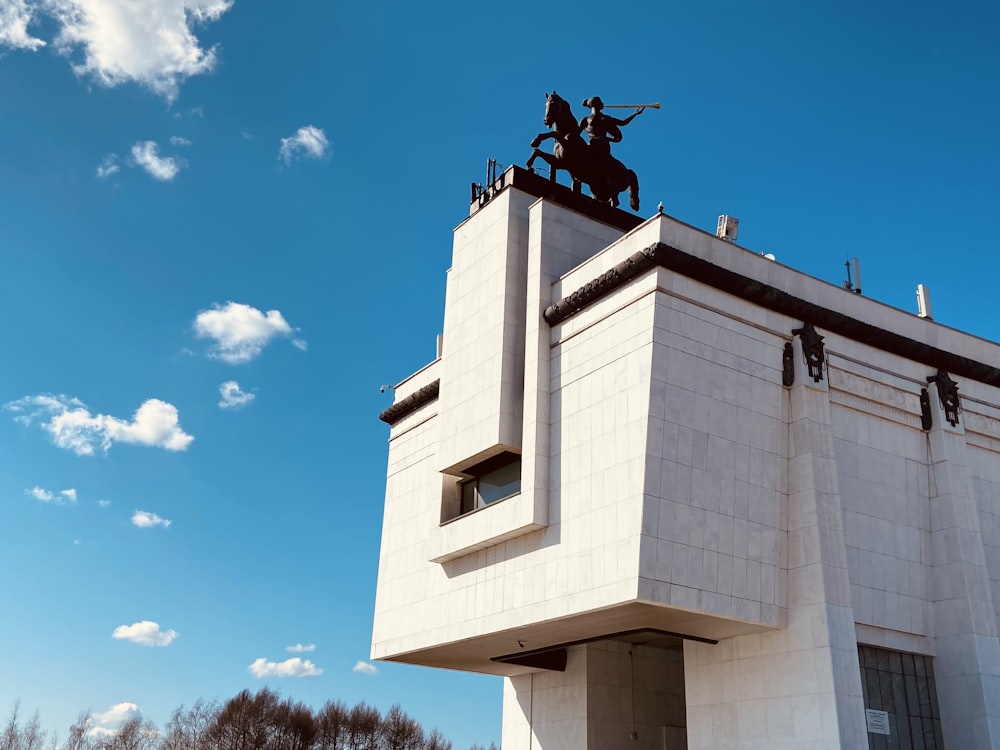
(258, 198)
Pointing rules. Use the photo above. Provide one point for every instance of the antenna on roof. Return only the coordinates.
(483, 193)
(853, 286)
(727, 228)
(924, 302)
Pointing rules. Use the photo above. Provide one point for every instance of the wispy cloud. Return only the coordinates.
(112, 42)
(146, 154)
(72, 426)
(15, 17)
(239, 332)
(108, 166)
(145, 633)
(233, 397)
(363, 667)
(146, 520)
(104, 503)
(309, 142)
(57, 498)
(193, 112)
(300, 648)
(294, 667)
(177, 140)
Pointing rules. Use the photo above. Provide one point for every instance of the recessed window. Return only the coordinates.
(900, 699)
(495, 479)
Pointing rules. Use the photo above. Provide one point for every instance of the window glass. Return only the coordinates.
(899, 690)
(499, 484)
(492, 486)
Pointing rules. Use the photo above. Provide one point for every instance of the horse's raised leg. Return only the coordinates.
(534, 155)
(547, 158)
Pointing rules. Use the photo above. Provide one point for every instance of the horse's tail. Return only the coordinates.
(633, 190)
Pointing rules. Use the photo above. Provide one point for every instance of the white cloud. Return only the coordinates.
(108, 166)
(146, 520)
(15, 15)
(294, 667)
(300, 648)
(115, 715)
(104, 725)
(104, 503)
(146, 154)
(240, 332)
(145, 633)
(233, 397)
(73, 427)
(46, 496)
(177, 140)
(363, 667)
(309, 142)
(300, 344)
(121, 41)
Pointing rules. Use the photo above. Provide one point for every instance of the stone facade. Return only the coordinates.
(716, 507)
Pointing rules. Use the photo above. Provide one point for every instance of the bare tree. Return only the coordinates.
(78, 739)
(188, 730)
(363, 725)
(10, 739)
(135, 733)
(17, 736)
(247, 721)
(291, 726)
(401, 732)
(261, 722)
(241, 723)
(436, 741)
(331, 725)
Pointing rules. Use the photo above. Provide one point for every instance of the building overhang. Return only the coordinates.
(539, 642)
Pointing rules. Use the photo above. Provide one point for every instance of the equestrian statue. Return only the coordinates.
(590, 163)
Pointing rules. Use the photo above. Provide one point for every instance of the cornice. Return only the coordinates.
(770, 298)
(411, 403)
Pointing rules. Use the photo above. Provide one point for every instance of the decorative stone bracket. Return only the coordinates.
(812, 350)
(948, 394)
(788, 365)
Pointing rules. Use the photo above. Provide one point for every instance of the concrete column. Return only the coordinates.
(547, 710)
(612, 696)
(967, 663)
(558, 240)
(799, 687)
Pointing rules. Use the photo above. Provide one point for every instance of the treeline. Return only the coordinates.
(248, 721)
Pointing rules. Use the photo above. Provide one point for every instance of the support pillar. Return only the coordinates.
(967, 650)
(799, 687)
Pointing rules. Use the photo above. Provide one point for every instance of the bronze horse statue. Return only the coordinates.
(604, 175)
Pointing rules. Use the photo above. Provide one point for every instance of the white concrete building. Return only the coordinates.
(683, 496)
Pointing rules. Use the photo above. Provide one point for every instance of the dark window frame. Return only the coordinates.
(471, 497)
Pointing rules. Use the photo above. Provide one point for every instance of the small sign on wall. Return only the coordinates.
(878, 721)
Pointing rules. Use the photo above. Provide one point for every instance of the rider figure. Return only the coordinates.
(602, 129)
